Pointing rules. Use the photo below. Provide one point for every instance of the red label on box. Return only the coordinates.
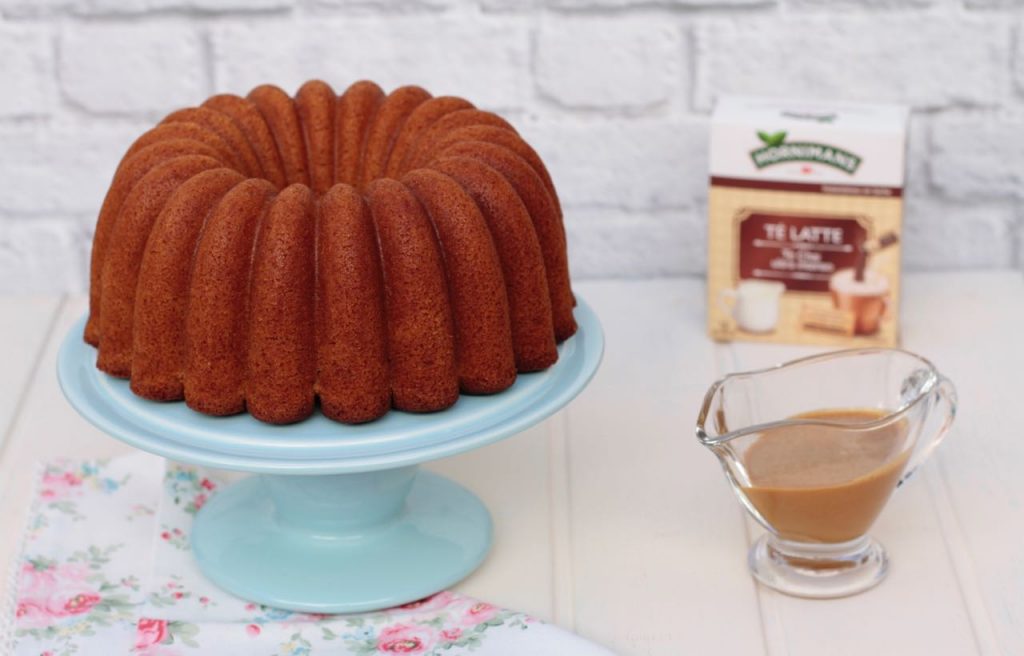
(801, 251)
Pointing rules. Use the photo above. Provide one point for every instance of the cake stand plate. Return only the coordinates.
(338, 518)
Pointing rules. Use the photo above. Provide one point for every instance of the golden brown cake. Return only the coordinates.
(366, 251)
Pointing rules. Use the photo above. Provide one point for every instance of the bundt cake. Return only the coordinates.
(368, 251)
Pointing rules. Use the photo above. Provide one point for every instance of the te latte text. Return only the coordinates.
(804, 234)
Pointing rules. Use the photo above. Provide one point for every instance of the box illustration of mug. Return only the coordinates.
(753, 304)
(867, 299)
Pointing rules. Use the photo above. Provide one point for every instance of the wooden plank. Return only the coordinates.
(563, 592)
(46, 427)
(658, 540)
(970, 326)
(512, 479)
(24, 325)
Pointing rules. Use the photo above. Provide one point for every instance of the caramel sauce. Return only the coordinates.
(823, 483)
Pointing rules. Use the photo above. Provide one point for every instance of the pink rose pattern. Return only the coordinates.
(152, 636)
(63, 482)
(431, 627)
(59, 485)
(406, 639)
(188, 487)
(479, 613)
(149, 632)
(59, 602)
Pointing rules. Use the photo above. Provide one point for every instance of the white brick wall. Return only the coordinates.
(613, 93)
(130, 69)
(446, 54)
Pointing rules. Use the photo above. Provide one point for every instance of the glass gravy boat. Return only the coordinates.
(814, 448)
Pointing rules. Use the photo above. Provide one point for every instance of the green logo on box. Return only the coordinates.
(776, 151)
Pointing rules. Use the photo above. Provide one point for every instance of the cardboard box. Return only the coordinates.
(805, 210)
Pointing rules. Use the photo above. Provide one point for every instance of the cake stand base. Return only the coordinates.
(261, 540)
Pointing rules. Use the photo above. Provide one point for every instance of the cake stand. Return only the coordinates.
(338, 518)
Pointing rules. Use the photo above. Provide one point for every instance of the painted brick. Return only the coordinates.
(608, 63)
(978, 156)
(942, 235)
(65, 170)
(484, 60)
(41, 256)
(926, 61)
(26, 72)
(509, 5)
(37, 8)
(1018, 243)
(855, 5)
(590, 5)
(1018, 64)
(385, 6)
(993, 4)
(918, 153)
(33, 8)
(623, 245)
(639, 164)
(621, 4)
(126, 69)
(147, 6)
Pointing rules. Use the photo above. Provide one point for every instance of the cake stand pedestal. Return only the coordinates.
(338, 518)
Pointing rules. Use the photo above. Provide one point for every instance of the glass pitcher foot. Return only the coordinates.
(818, 571)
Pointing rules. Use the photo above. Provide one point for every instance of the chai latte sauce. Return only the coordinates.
(826, 484)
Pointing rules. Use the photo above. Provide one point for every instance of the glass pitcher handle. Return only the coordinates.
(945, 400)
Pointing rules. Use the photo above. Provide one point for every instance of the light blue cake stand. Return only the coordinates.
(338, 518)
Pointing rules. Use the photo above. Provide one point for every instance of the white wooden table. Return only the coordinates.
(612, 521)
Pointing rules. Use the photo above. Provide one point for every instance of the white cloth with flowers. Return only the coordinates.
(106, 570)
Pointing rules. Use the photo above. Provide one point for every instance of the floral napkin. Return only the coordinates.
(106, 570)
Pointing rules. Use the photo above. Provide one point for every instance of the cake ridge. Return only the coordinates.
(314, 106)
(252, 124)
(223, 126)
(546, 223)
(216, 328)
(419, 323)
(356, 109)
(361, 251)
(353, 361)
(425, 147)
(278, 110)
(507, 139)
(161, 303)
(522, 261)
(476, 285)
(281, 361)
(384, 129)
(188, 131)
(421, 118)
(139, 212)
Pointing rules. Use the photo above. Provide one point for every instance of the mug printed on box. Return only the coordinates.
(755, 304)
(804, 211)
